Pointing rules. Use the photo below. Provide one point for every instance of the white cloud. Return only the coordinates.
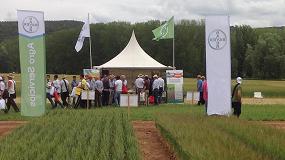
(257, 13)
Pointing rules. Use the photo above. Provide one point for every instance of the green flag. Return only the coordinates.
(165, 31)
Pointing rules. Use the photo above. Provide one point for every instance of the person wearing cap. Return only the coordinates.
(236, 97)
(64, 90)
(12, 94)
(155, 89)
(48, 90)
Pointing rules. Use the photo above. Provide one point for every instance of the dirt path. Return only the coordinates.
(276, 124)
(151, 143)
(6, 127)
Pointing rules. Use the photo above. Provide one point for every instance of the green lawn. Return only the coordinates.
(269, 89)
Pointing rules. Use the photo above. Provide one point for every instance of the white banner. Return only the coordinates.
(218, 65)
(85, 32)
(174, 79)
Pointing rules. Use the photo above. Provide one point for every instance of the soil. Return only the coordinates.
(151, 143)
(6, 127)
(276, 124)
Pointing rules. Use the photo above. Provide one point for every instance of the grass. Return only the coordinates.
(269, 89)
(73, 134)
(263, 112)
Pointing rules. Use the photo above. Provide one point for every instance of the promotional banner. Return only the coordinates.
(91, 72)
(31, 29)
(174, 79)
(218, 65)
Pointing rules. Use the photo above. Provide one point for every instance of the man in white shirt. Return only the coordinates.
(64, 90)
(118, 90)
(12, 94)
(139, 86)
(155, 89)
(161, 88)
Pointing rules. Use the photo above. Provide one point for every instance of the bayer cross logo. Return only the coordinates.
(164, 30)
(217, 39)
(30, 24)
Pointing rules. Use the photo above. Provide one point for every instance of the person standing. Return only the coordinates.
(74, 83)
(139, 83)
(161, 88)
(2, 87)
(112, 89)
(57, 88)
(155, 89)
(98, 91)
(118, 90)
(106, 91)
(205, 93)
(200, 89)
(12, 94)
(48, 91)
(146, 88)
(64, 90)
(236, 97)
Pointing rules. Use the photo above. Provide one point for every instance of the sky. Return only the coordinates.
(256, 13)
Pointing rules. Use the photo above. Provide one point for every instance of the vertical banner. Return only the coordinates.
(174, 79)
(218, 65)
(33, 64)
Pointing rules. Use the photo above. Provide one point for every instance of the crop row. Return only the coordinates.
(94, 134)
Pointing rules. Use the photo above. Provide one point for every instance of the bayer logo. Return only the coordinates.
(217, 39)
(30, 24)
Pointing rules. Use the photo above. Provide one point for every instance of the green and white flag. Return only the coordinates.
(165, 31)
(31, 29)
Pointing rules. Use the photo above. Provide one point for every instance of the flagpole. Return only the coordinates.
(90, 48)
(173, 43)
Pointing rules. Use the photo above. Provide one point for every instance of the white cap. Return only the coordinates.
(239, 80)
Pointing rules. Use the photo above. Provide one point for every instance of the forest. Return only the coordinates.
(256, 53)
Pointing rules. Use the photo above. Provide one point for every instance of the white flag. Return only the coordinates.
(218, 65)
(85, 32)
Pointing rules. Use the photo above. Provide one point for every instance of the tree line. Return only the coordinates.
(256, 52)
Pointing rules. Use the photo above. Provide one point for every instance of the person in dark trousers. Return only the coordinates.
(155, 89)
(200, 89)
(12, 94)
(64, 90)
(48, 90)
(236, 97)
(106, 91)
(98, 91)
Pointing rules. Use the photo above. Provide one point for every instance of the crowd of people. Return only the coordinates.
(202, 88)
(108, 90)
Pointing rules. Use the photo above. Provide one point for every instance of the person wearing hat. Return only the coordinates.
(64, 90)
(236, 97)
(12, 94)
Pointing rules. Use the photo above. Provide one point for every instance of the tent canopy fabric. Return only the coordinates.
(133, 57)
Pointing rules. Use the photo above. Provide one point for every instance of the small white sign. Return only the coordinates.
(91, 95)
(133, 100)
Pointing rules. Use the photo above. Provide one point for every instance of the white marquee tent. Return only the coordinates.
(133, 57)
